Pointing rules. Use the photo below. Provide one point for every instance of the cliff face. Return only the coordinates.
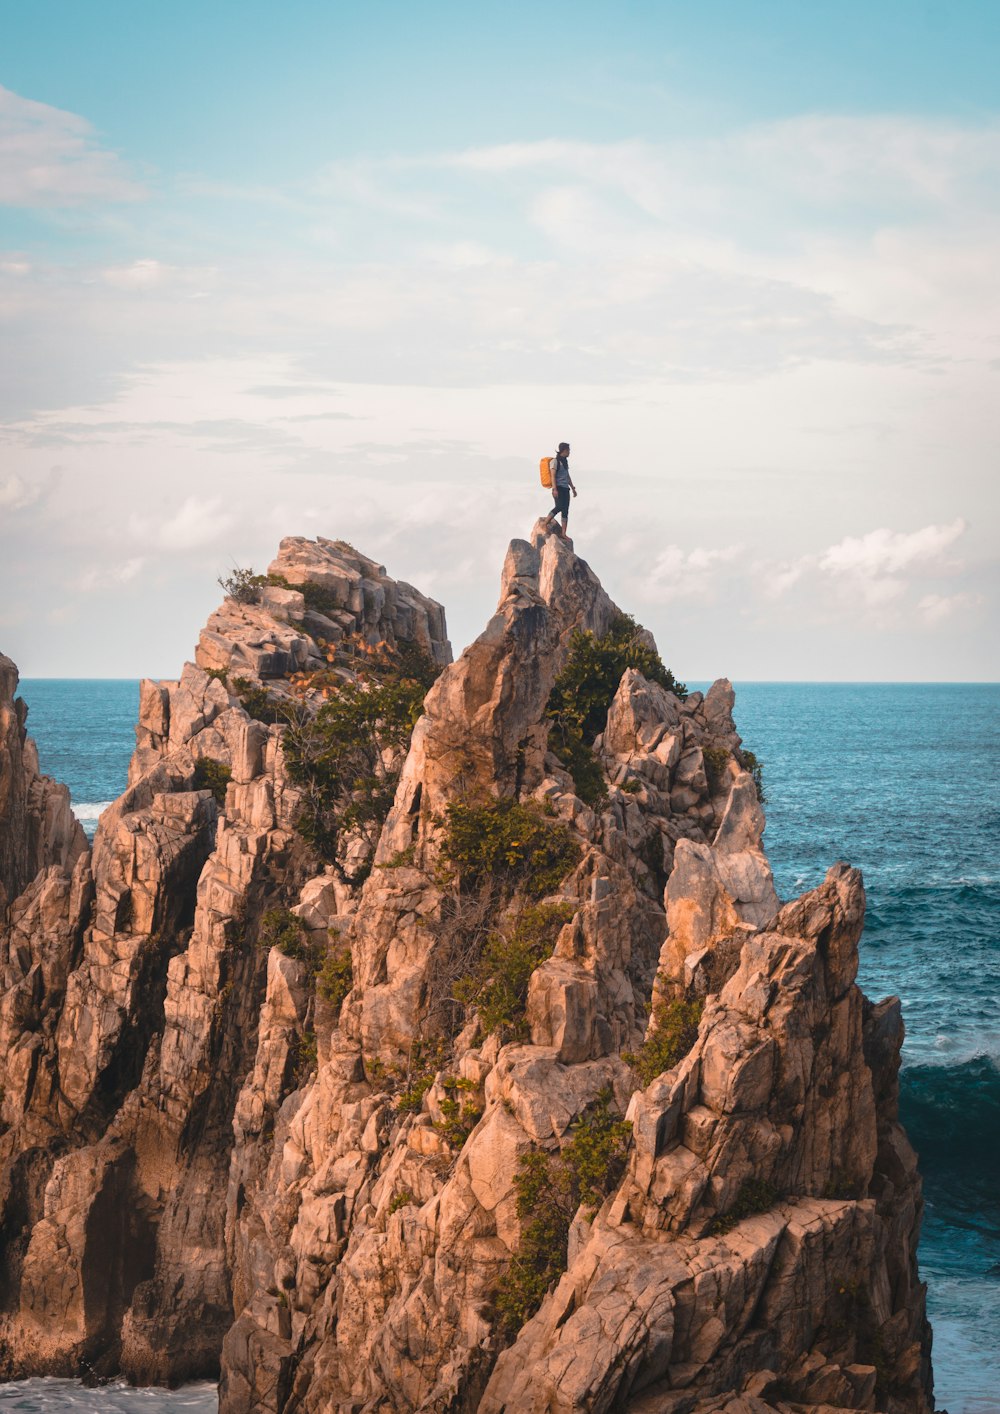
(354, 1188)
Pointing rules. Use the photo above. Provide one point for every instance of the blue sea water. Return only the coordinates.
(903, 781)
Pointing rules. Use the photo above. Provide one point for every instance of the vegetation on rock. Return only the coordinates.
(752, 763)
(282, 929)
(258, 703)
(212, 775)
(550, 1188)
(497, 985)
(672, 1032)
(244, 585)
(346, 758)
(459, 1112)
(512, 844)
(755, 1195)
(584, 690)
(336, 974)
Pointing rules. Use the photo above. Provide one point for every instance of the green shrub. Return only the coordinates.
(318, 598)
(512, 844)
(584, 690)
(410, 1099)
(756, 1195)
(498, 985)
(306, 1055)
(672, 1032)
(550, 1188)
(400, 1200)
(258, 703)
(219, 674)
(412, 1081)
(336, 974)
(752, 763)
(243, 585)
(460, 1114)
(282, 929)
(715, 758)
(402, 859)
(339, 757)
(212, 775)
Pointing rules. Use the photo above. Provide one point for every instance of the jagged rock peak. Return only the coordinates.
(320, 589)
(37, 827)
(267, 1116)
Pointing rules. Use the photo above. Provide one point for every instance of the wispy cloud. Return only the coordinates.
(49, 157)
(936, 608)
(110, 576)
(17, 493)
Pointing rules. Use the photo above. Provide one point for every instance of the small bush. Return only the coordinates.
(219, 674)
(550, 1188)
(672, 1032)
(282, 929)
(584, 690)
(258, 703)
(410, 1100)
(580, 760)
(347, 758)
(336, 975)
(243, 585)
(498, 986)
(402, 1199)
(212, 775)
(756, 1195)
(402, 859)
(306, 1055)
(715, 758)
(318, 598)
(752, 763)
(510, 843)
(460, 1114)
(414, 1080)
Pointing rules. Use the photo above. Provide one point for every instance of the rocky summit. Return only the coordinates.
(429, 1035)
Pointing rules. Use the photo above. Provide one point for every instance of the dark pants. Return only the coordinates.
(561, 507)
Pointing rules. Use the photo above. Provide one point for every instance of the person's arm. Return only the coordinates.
(571, 486)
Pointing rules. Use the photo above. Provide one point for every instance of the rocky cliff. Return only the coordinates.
(454, 1056)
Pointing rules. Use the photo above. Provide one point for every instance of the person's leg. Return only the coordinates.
(562, 508)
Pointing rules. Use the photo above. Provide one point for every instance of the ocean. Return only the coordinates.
(903, 781)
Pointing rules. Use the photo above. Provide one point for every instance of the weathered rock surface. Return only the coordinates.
(208, 1165)
(39, 830)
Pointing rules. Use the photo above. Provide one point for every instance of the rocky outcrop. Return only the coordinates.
(213, 1160)
(37, 828)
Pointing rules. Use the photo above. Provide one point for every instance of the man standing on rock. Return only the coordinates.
(562, 485)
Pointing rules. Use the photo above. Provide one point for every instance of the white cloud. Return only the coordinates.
(140, 275)
(110, 576)
(887, 552)
(197, 522)
(49, 157)
(17, 493)
(936, 608)
(679, 574)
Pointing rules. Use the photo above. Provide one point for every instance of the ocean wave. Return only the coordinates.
(53, 1395)
(952, 1116)
(89, 810)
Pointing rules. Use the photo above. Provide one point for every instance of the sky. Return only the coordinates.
(313, 268)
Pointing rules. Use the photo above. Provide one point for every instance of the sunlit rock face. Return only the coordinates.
(216, 1161)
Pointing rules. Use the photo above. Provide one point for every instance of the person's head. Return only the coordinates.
(564, 449)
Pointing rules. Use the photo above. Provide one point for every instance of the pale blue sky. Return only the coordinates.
(316, 269)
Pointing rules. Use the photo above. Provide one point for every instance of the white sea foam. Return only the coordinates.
(57, 1396)
(87, 811)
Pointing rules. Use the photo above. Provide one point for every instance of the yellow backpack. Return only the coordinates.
(545, 471)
